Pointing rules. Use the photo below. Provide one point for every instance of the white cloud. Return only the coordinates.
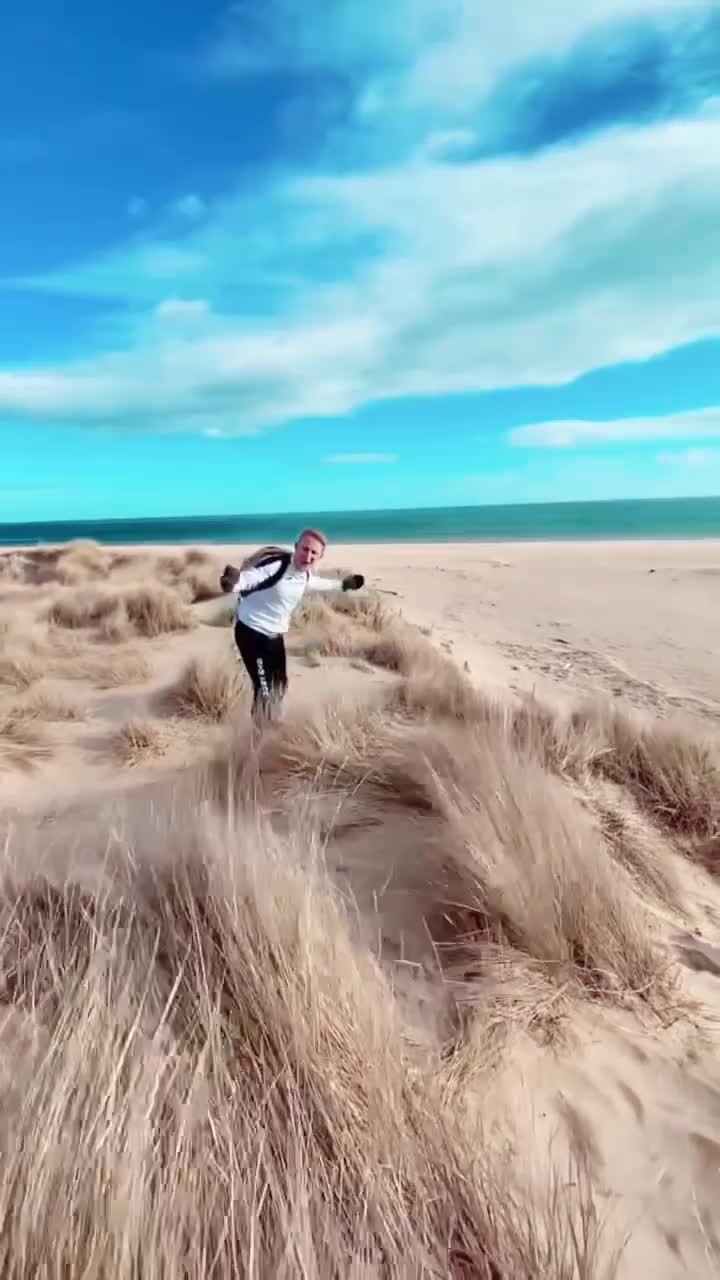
(139, 273)
(180, 308)
(569, 434)
(235, 383)
(431, 53)
(535, 271)
(516, 272)
(690, 458)
(483, 40)
(190, 206)
(359, 459)
(444, 143)
(137, 207)
(252, 38)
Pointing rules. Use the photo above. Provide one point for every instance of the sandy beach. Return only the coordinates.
(509, 757)
(637, 620)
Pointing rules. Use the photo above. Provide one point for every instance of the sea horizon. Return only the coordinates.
(601, 520)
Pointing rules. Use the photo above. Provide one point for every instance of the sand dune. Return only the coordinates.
(422, 982)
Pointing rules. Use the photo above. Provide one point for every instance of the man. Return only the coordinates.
(270, 586)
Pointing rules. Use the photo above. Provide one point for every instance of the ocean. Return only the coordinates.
(679, 518)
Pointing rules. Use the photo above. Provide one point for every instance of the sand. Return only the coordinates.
(637, 620)
(636, 1093)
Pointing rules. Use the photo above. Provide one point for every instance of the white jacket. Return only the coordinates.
(269, 610)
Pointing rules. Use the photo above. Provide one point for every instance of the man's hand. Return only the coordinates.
(353, 582)
(229, 578)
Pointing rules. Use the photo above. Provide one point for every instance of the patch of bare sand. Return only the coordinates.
(509, 999)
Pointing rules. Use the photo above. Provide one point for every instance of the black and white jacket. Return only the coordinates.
(269, 592)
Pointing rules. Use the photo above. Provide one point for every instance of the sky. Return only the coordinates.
(310, 255)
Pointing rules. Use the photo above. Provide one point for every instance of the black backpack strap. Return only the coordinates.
(283, 559)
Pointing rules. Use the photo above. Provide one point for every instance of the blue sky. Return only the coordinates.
(318, 254)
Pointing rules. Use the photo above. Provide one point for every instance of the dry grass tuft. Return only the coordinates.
(155, 611)
(13, 567)
(202, 584)
(200, 576)
(35, 642)
(673, 776)
(207, 690)
(46, 703)
(196, 558)
(81, 607)
(360, 628)
(81, 561)
(141, 740)
(356, 628)
(110, 670)
(22, 743)
(242, 1058)
(435, 688)
(633, 841)
(510, 855)
(57, 642)
(340, 616)
(145, 611)
(170, 567)
(115, 627)
(510, 997)
(76, 564)
(19, 670)
(194, 574)
(532, 874)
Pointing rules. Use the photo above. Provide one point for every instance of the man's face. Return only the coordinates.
(308, 551)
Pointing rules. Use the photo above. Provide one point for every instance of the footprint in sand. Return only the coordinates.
(562, 661)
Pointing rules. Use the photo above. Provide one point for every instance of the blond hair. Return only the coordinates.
(313, 533)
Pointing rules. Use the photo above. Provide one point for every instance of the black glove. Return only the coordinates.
(353, 582)
(229, 577)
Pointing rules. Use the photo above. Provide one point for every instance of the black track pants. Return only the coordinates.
(265, 662)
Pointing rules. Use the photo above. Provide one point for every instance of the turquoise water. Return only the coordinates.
(554, 522)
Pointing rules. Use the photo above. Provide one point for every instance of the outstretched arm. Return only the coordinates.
(352, 582)
(241, 579)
